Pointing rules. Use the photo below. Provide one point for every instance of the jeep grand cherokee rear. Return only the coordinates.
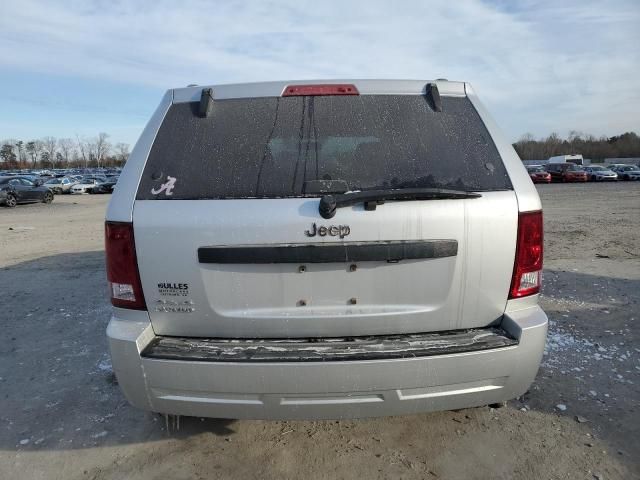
(324, 250)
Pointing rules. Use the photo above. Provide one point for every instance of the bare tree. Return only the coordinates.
(49, 145)
(102, 147)
(76, 159)
(8, 152)
(526, 145)
(122, 152)
(31, 149)
(39, 147)
(7, 155)
(92, 148)
(22, 154)
(83, 147)
(66, 147)
(34, 148)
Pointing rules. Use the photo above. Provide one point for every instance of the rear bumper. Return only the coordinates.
(326, 389)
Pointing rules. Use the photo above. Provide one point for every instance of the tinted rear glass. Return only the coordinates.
(269, 147)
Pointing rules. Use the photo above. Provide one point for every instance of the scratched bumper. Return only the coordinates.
(320, 388)
(379, 347)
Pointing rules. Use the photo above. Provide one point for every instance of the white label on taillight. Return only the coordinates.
(123, 291)
(529, 280)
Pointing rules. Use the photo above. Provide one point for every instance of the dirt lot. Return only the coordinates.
(63, 415)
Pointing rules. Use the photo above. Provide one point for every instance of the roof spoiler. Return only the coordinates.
(206, 102)
(433, 97)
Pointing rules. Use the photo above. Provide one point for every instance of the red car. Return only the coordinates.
(538, 174)
(567, 172)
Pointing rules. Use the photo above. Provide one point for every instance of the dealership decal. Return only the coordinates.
(173, 289)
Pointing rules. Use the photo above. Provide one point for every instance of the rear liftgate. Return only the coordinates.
(281, 242)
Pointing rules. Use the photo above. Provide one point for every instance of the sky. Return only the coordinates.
(72, 67)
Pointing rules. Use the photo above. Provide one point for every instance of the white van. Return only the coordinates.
(577, 159)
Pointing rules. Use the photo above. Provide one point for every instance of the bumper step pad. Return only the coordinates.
(376, 347)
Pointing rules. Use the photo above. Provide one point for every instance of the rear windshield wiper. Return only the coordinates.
(371, 198)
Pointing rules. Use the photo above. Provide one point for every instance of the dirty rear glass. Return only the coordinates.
(269, 147)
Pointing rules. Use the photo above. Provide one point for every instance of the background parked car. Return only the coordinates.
(615, 166)
(60, 185)
(566, 172)
(628, 172)
(104, 187)
(86, 184)
(37, 180)
(538, 174)
(598, 173)
(15, 190)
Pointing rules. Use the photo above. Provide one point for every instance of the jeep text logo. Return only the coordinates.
(333, 230)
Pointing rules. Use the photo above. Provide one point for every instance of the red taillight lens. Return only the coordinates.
(527, 270)
(122, 267)
(326, 89)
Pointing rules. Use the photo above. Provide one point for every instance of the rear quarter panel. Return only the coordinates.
(120, 207)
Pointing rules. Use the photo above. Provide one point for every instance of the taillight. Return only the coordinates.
(324, 89)
(527, 270)
(122, 267)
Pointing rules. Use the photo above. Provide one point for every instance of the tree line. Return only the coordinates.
(51, 152)
(597, 149)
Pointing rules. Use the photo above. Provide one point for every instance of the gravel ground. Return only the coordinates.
(63, 415)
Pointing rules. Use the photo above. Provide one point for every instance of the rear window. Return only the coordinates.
(272, 147)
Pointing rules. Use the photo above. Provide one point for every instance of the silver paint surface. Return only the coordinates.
(463, 292)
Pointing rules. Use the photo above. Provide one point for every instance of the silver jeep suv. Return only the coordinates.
(325, 249)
